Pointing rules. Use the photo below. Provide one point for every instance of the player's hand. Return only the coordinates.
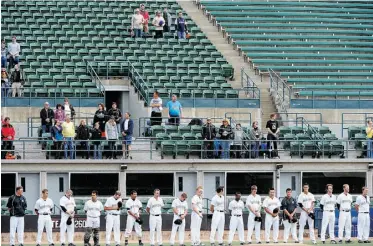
(291, 217)
(201, 215)
(257, 214)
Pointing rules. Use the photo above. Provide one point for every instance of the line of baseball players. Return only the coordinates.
(271, 204)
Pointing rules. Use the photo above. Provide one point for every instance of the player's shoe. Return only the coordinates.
(248, 242)
(242, 243)
(62, 244)
(275, 242)
(267, 242)
(259, 242)
(71, 244)
(296, 241)
(348, 241)
(37, 244)
(52, 244)
(323, 242)
(366, 241)
(285, 242)
(360, 241)
(333, 242)
(313, 242)
(212, 244)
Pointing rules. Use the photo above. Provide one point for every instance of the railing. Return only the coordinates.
(282, 90)
(95, 78)
(244, 121)
(360, 119)
(284, 118)
(139, 83)
(247, 83)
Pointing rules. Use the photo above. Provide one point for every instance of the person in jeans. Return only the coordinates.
(137, 24)
(237, 144)
(369, 132)
(174, 111)
(127, 131)
(5, 83)
(82, 134)
(167, 17)
(256, 134)
(59, 113)
(7, 135)
(111, 134)
(4, 53)
(16, 79)
(46, 116)
(57, 138)
(181, 26)
(208, 134)
(13, 52)
(226, 134)
(116, 113)
(158, 22)
(273, 131)
(68, 132)
(156, 114)
(96, 141)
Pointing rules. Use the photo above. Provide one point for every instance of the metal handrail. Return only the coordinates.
(96, 78)
(248, 83)
(281, 88)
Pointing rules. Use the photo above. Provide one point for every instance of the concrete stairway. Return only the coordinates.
(231, 56)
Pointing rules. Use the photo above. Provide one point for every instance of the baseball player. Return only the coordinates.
(17, 206)
(196, 217)
(112, 207)
(327, 205)
(344, 201)
(253, 203)
(180, 208)
(93, 210)
(289, 205)
(154, 208)
(271, 206)
(236, 206)
(306, 202)
(67, 204)
(363, 222)
(218, 216)
(43, 208)
(133, 206)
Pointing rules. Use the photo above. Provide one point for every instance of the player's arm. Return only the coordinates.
(268, 211)
(131, 213)
(283, 207)
(185, 211)
(114, 207)
(148, 207)
(338, 203)
(196, 209)
(295, 209)
(37, 207)
(300, 204)
(357, 205)
(212, 207)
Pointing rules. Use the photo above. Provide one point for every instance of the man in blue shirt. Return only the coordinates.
(174, 111)
(181, 26)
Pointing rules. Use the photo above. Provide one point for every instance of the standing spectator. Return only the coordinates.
(5, 85)
(4, 53)
(369, 132)
(208, 134)
(68, 132)
(273, 131)
(181, 26)
(111, 133)
(156, 115)
(137, 24)
(116, 113)
(159, 23)
(96, 141)
(256, 134)
(237, 144)
(57, 138)
(46, 116)
(7, 135)
(17, 206)
(127, 131)
(13, 52)
(167, 18)
(174, 111)
(146, 16)
(226, 133)
(69, 109)
(59, 113)
(16, 80)
(100, 116)
(83, 134)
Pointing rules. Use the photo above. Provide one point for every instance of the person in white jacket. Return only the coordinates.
(158, 22)
(137, 24)
(111, 134)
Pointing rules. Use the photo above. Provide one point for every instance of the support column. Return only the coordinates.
(370, 182)
(122, 183)
(278, 183)
(43, 180)
(200, 178)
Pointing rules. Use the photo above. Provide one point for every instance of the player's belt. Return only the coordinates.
(155, 214)
(363, 212)
(329, 210)
(44, 214)
(221, 211)
(347, 210)
(237, 215)
(93, 217)
(113, 214)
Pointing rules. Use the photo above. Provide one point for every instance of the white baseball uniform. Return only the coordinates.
(271, 204)
(134, 206)
(44, 210)
(93, 210)
(255, 203)
(218, 219)
(344, 221)
(196, 220)
(363, 222)
(307, 201)
(155, 219)
(328, 215)
(69, 204)
(112, 220)
(236, 222)
(181, 208)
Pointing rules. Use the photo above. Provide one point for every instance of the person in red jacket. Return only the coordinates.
(146, 16)
(7, 134)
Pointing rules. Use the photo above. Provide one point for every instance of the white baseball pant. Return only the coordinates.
(363, 226)
(344, 222)
(113, 223)
(236, 223)
(131, 222)
(217, 223)
(155, 224)
(275, 221)
(16, 224)
(251, 224)
(44, 221)
(195, 228)
(328, 218)
(181, 229)
(290, 227)
(66, 228)
(92, 222)
(303, 220)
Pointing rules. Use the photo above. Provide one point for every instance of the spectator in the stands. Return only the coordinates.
(167, 19)
(273, 129)
(158, 22)
(237, 143)
(57, 138)
(156, 114)
(69, 109)
(59, 113)
(256, 135)
(5, 85)
(226, 135)
(100, 116)
(127, 130)
(7, 135)
(116, 113)
(46, 116)
(208, 134)
(369, 132)
(175, 111)
(4, 53)
(96, 141)
(181, 26)
(68, 132)
(137, 24)
(146, 16)
(16, 79)
(14, 49)
(111, 133)
(82, 134)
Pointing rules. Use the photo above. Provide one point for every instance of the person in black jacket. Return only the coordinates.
(17, 206)
(208, 134)
(83, 134)
(226, 134)
(46, 116)
(100, 116)
(115, 111)
(96, 141)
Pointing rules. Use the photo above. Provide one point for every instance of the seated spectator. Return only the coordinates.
(237, 143)
(16, 79)
(116, 113)
(158, 22)
(181, 26)
(100, 117)
(226, 135)
(13, 52)
(137, 24)
(46, 116)
(57, 138)
(167, 18)
(83, 134)
(7, 135)
(146, 16)
(5, 85)
(96, 141)
(4, 53)
(257, 135)
(59, 113)
(111, 133)
(174, 111)
(68, 132)
(68, 108)
(208, 134)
